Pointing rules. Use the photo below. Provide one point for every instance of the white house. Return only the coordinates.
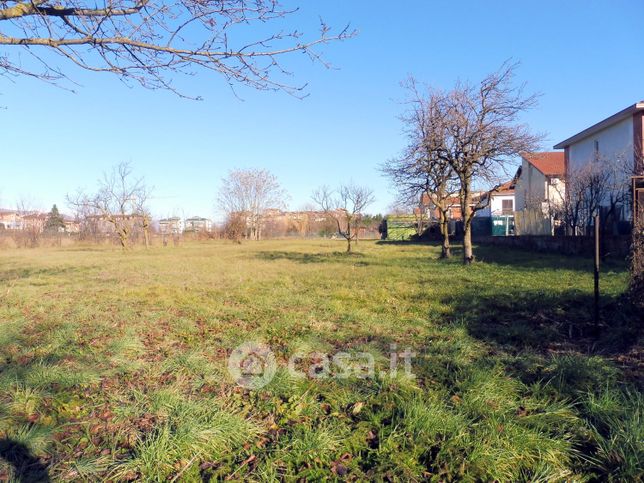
(540, 181)
(619, 136)
(502, 201)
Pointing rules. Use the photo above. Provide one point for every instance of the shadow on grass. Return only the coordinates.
(407, 242)
(525, 259)
(550, 322)
(22, 273)
(27, 467)
(519, 258)
(306, 258)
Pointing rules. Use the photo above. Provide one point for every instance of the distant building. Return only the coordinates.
(10, 220)
(171, 226)
(34, 222)
(198, 224)
(71, 224)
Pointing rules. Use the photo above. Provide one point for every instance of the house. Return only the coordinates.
(171, 226)
(540, 181)
(107, 224)
(618, 137)
(497, 216)
(34, 222)
(502, 201)
(10, 220)
(198, 224)
(72, 225)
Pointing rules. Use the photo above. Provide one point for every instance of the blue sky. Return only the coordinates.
(585, 57)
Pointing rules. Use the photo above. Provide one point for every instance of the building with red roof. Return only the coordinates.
(541, 180)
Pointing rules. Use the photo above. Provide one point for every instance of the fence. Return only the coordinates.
(531, 222)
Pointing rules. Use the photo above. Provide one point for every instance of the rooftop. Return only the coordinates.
(609, 121)
(551, 163)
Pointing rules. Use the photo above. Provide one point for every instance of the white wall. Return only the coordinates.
(533, 187)
(496, 206)
(615, 140)
(530, 186)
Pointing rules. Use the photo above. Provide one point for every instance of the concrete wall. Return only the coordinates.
(613, 246)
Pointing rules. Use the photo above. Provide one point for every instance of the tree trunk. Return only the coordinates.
(146, 234)
(444, 224)
(468, 255)
(123, 238)
(466, 201)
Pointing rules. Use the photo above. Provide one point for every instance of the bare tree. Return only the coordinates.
(636, 285)
(250, 192)
(146, 41)
(86, 216)
(476, 130)
(119, 201)
(618, 169)
(32, 224)
(419, 170)
(586, 187)
(345, 207)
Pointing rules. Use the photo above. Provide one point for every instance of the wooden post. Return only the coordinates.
(596, 273)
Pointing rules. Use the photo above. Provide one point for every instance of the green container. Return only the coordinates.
(502, 225)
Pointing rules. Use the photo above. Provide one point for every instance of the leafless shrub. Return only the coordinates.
(346, 207)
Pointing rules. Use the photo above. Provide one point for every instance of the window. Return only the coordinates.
(596, 150)
(507, 207)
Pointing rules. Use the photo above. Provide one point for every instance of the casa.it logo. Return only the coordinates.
(252, 365)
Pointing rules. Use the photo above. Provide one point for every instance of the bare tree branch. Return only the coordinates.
(147, 41)
(475, 128)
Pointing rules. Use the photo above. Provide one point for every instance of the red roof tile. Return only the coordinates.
(549, 163)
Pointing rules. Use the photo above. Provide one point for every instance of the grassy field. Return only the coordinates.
(114, 365)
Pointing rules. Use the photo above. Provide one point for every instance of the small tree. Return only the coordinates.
(55, 222)
(586, 187)
(246, 194)
(119, 201)
(345, 207)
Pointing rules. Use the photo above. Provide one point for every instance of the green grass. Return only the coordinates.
(114, 365)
